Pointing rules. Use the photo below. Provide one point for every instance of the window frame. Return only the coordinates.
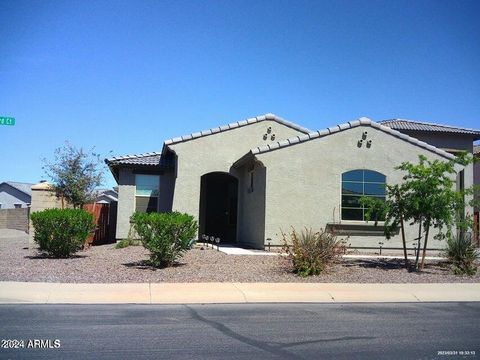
(363, 183)
(154, 195)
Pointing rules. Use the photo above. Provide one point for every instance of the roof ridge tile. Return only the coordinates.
(352, 124)
(237, 124)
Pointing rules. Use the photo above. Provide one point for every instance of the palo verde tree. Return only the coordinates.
(426, 198)
(75, 174)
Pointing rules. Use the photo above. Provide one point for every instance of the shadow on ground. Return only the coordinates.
(147, 265)
(394, 264)
(42, 256)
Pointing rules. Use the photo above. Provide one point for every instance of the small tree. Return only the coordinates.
(75, 174)
(427, 198)
(391, 210)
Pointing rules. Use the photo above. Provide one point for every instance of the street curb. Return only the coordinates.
(233, 293)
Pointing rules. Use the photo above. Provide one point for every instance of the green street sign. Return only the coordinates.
(4, 120)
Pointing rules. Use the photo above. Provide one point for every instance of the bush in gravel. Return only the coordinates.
(463, 254)
(61, 232)
(312, 252)
(122, 244)
(166, 235)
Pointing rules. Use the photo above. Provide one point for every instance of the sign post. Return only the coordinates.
(5, 120)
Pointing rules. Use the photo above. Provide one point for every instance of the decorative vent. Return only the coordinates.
(362, 140)
(269, 134)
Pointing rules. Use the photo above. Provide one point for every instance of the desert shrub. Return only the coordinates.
(463, 254)
(166, 235)
(61, 232)
(122, 244)
(312, 252)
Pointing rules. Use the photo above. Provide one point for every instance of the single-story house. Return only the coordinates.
(106, 196)
(15, 195)
(249, 181)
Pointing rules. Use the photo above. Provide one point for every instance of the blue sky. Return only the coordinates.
(125, 75)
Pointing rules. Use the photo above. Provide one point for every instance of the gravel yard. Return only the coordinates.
(20, 261)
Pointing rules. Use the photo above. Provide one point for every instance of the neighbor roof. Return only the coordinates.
(331, 130)
(26, 188)
(235, 125)
(403, 124)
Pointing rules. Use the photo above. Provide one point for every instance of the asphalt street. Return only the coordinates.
(245, 331)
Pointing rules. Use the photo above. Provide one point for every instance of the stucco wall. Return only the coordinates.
(217, 153)
(443, 141)
(251, 211)
(304, 181)
(126, 198)
(10, 196)
(43, 198)
(14, 219)
(126, 202)
(167, 189)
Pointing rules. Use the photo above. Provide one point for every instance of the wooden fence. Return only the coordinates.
(105, 216)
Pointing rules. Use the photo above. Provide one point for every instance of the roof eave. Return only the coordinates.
(245, 158)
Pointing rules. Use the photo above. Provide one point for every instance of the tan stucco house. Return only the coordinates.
(248, 181)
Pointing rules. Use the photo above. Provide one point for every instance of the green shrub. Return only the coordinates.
(166, 235)
(312, 252)
(463, 254)
(61, 232)
(122, 244)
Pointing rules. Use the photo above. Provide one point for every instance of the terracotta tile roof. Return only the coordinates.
(352, 124)
(403, 124)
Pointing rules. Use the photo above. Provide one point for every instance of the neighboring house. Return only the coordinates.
(15, 195)
(248, 181)
(106, 196)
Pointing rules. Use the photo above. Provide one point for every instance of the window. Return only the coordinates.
(358, 183)
(17, 206)
(146, 192)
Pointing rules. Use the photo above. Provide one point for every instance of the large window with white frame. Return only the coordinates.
(358, 183)
(146, 192)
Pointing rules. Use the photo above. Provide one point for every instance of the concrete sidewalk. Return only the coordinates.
(200, 293)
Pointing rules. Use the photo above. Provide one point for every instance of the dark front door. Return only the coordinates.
(218, 206)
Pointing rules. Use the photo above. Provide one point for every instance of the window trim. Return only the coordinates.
(158, 190)
(363, 221)
(157, 196)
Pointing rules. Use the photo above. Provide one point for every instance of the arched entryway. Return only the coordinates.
(218, 206)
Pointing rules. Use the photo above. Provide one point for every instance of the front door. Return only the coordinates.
(218, 206)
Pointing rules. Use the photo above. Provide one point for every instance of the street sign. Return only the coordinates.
(5, 120)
